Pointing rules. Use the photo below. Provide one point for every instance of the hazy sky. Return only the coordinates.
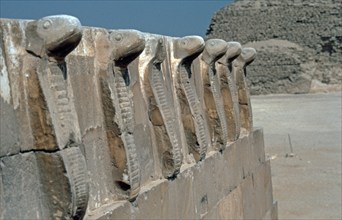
(174, 18)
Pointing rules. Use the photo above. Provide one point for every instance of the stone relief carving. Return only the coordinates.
(228, 90)
(186, 49)
(126, 45)
(246, 57)
(196, 99)
(160, 111)
(214, 49)
(52, 110)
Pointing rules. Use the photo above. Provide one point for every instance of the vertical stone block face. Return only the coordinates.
(20, 194)
(39, 186)
(12, 92)
(86, 69)
(246, 57)
(205, 190)
(50, 136)
(10, 131)
(125, 46)
(100, 123)
(185, 50)
(211, 92)
(255, 201)
(229, 91)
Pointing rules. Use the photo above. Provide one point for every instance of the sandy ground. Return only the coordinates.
(303, 140)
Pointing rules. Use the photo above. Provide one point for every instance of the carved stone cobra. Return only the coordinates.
(214, 49)
(160, 112)
(99, 123)
(126, 45)
(228, 90)
(186, 49)
(51, 39)
(246, 57)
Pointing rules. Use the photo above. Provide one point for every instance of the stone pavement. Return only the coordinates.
(303, 141)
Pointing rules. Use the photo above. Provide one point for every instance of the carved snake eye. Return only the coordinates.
(184, 42)
(118, 37)
(212, 44)
(47, 24)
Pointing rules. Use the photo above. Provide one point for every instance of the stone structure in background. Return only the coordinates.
(299, 42)
(100, 123)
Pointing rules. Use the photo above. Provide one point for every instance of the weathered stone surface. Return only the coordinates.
(10, 130)
(229, 207)
(86, 66)
(126, 45)
(39, 186)
(272, 213)
(114, 124)
(48, 116)
(229, 91)
(20, 194)
(12, 88)
(297, 41)
(209, 88)
(202, 191)
(151, 88)
(239, 73)
(195, 126)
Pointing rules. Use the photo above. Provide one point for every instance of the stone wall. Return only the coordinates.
(100, 123)
(299, 43)
(233, 185)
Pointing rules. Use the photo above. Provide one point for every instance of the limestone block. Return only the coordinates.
(248, 199)
(10, 130)
(230, 207)
(185, 50)
(40, 186)
(159, 205)
(86, 70)
(168, 199)
(229, 91)
(246, 57)
(257, 193)
(274, 214)
(49, 121)
(252, 152)
(186, 197)
(21, 188)
(229, 166)
(246, 157)
(212, 188)
(143, 131)
(210, 91)
(11, 91)
(116, 210)
(100, 168)
(258, 147)
(51, 39)
(2, 200)
(122, 124)
(153, 110)
(113, 86)
(234, 163)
